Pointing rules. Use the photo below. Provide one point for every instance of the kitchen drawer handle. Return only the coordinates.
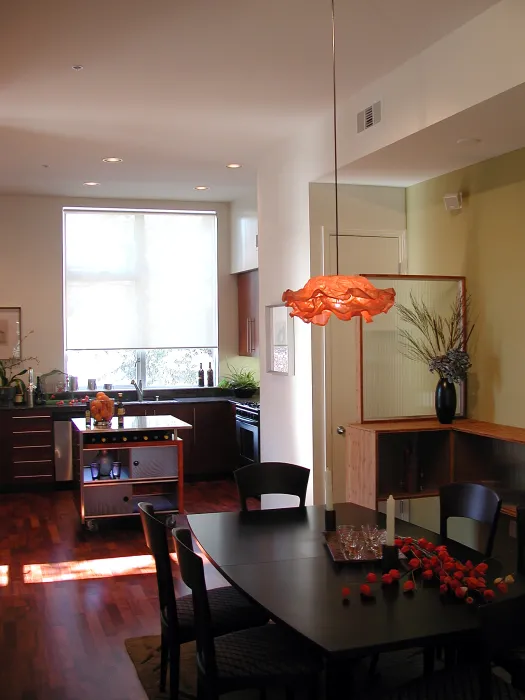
(33, 476)
(29, 432)
(31, 461)
(28, 447)
(29, 417)
(248, 342)
(252, 337)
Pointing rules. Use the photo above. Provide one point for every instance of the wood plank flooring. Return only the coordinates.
(64, 639)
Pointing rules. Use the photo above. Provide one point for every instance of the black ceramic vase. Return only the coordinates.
(445, 401)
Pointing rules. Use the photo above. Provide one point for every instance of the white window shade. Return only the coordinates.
(140, 280)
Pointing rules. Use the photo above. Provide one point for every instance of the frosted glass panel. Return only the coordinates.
(395, 386)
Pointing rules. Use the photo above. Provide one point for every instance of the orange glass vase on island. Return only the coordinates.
(102, 409)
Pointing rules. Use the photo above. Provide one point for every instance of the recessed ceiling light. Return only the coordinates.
(91, 184)
(112, 159)
(469, 139)
(77, 67)
(234, 165)
(201, 187)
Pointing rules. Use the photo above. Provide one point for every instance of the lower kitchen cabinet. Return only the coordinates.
(26, 447)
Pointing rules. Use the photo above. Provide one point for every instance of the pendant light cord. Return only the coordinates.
(336, 184)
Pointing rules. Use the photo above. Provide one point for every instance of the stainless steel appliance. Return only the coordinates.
(247, 427)
(63, 450)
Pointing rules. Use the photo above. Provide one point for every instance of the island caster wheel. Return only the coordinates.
(92, 525)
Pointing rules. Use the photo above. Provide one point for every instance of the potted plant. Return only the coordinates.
(440, 342)
(11, 383)
(241, 381)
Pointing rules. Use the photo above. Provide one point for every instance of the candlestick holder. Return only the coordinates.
(390, 559)
(329, 520)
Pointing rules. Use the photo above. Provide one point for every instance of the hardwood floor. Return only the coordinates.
(64, 639)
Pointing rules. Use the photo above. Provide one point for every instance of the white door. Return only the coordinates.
(373, 254)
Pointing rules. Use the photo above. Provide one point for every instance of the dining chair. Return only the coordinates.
(259, 657)
(271, 477)
(476, 680)
(229, 609)
(513, 659)
(473, 501)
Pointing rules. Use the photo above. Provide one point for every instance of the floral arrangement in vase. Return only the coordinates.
(462, 580)
(440, 342)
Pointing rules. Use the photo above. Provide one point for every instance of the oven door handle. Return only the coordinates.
(248, 421)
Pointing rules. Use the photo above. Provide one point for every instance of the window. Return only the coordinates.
(140, 295)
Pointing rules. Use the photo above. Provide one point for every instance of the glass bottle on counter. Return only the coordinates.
(209, 375)
(88, 415)
(121, 411)
(201, 375)
(39, 396)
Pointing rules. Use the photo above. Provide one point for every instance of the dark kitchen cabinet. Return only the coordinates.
(26, 447)
(248, 303)
(215, 450)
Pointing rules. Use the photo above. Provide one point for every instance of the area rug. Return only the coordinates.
(394, 670)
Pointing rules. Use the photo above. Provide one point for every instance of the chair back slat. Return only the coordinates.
(473, 501)
(271, 477)
(192, 572)
(520, 528)
(156, 535)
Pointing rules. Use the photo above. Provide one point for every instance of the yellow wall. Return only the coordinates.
(486, 243)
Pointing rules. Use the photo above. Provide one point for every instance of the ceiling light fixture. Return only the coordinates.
(341, 295)
(469, 139)
(201, 187)
(91, 184)
(77, 67)
(112, 159)
(233, 166)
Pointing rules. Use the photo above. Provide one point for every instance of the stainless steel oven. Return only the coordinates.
(247, 426)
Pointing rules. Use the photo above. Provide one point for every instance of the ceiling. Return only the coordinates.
(484, 131)
(180, 88)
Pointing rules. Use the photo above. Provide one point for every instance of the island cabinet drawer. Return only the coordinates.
(33, 438)
(33, 470)
(30, 453)
(32, 422)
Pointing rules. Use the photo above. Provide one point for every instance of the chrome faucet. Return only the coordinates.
(138, 387)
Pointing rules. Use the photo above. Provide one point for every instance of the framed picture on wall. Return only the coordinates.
(279, 339)
(10, 332)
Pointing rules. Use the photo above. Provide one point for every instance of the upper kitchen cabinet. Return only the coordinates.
(244, 236)
(248, 300)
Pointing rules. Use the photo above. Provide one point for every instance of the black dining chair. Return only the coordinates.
(473, 501)
(229, 609)
(259, 657)
(513, 659)
(255, 480)
(476, 681)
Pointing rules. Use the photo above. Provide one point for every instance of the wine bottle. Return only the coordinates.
(209, 375)
(39, 397)
(121, 411)
(88, 416)
(201, 375)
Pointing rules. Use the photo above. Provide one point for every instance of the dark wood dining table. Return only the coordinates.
(278, 559)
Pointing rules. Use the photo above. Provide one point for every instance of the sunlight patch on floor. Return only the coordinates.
(4, 575)
(89, 569)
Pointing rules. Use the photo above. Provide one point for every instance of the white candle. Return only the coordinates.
(390, 520)
(329, 500)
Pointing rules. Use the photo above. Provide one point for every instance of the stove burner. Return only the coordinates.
(252, 404)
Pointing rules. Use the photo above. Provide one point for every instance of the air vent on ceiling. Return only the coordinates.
(369, 117)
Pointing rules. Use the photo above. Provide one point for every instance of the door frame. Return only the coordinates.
(325, 374)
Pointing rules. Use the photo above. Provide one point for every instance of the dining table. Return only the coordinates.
(279, 559)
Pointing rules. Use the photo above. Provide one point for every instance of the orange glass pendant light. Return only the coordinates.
(341, 295)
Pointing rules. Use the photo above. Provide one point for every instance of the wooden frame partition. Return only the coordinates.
(461, 281)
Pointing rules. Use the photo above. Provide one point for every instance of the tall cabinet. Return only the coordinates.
(248, 302)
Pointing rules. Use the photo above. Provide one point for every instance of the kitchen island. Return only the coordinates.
(116, 468)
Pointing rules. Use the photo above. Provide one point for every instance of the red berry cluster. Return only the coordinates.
(464, 580)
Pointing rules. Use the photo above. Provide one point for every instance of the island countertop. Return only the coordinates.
(134, 423)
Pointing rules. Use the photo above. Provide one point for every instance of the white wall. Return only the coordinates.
(361, 208)
(31, 237)
(284, 263)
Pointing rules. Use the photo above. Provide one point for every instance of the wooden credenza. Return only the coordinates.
(412, 459)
